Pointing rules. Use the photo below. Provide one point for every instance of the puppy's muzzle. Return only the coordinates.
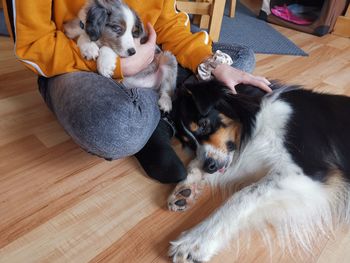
(131, 51)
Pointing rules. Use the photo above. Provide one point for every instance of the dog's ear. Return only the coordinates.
(139, 30)
(96, 19)
(108, 3)
(206, 94)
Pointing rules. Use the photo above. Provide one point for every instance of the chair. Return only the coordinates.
(208, 13)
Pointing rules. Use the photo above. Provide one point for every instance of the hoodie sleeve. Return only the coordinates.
(39, 44)
(173, 33)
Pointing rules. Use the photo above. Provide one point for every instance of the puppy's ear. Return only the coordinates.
(139, 30)
(206, 94)
(96, 19)
(108, 3)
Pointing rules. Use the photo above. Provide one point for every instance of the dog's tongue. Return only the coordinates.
(222, 170)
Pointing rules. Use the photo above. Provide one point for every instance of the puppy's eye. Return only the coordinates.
(136, 33)
(117, 29)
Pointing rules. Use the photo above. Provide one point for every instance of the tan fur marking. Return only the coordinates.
(338, 190)
(225, 120)
(335, 179)
(194, 126)
(230, 133)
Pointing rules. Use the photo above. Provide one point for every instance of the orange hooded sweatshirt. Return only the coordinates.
(40, 43)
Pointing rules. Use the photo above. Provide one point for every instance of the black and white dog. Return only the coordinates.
(291, 151)
(106, 29)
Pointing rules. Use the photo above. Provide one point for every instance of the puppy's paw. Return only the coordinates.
(184, 196)
(192, 247)
(106, 70)
(89, 50)
(165, 103)
(106, 62)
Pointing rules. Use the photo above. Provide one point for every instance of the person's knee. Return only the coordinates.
(112, 135)
(101, 117)
(112, 146)
(246, 59)
(243, 57)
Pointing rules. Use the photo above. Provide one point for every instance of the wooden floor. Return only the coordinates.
(60, 204)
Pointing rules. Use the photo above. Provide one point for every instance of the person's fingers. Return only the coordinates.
(265, 80)
(231, 85)
(258, 83)
(232, 76)
(151, 34)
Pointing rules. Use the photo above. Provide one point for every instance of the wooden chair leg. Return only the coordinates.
(197, 18)
(232, 8)
(204, 23)
(216, 19)
(202, 20)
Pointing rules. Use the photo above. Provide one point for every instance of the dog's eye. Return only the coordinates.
(231, 146)
(117, 29)
(136, 33)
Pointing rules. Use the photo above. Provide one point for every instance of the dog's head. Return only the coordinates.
(115, 25)
(213, 121)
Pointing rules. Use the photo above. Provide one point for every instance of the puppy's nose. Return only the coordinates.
(131, 51)
(210, 165)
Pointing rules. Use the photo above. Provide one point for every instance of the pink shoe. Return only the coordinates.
(280, 8)
(284, 13)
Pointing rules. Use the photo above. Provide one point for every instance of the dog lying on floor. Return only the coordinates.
(290, 148)
(106, 29)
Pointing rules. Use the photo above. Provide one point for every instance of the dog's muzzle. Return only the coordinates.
(211, 166)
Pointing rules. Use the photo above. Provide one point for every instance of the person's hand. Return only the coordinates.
(231, 77)
(143, 57)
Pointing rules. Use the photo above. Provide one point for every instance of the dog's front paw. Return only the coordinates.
(89, 50)
(106, 70)
(165, 103)
(184, 196)
(192, 247)
(106, 62)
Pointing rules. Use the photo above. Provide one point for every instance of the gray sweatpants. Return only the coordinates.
(108, 120)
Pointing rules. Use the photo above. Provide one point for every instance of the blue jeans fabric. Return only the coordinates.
(108, 120)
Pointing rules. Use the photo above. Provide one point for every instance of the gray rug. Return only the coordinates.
(246, 29)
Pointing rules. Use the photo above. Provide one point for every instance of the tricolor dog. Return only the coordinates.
(289, 149)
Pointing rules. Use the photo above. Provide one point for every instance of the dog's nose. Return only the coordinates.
(210, 165)
(131, 51)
